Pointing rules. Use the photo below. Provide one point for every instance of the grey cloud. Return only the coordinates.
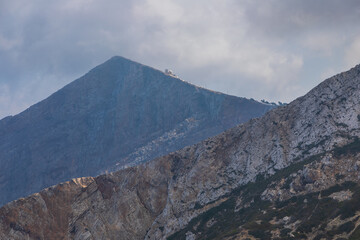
(259, 49)
(284, 18)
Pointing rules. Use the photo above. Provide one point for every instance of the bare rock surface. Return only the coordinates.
(119, 114)
(166, 196)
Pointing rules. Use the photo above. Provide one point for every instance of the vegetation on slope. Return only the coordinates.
(316, 214)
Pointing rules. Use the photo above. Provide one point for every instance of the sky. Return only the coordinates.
(275, 49)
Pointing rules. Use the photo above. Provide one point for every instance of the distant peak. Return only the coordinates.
(115, 63)
(114, 58)
(121, 59)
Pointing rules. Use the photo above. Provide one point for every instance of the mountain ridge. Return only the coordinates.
(120, 113)
(160, 198)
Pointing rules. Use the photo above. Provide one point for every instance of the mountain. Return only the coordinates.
(291, 174)
(120, 113)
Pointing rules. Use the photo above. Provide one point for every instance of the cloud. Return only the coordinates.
(352, 53)
(7, 103)
(325, 43)
(292, 18)
(260, 49)
(212, 35)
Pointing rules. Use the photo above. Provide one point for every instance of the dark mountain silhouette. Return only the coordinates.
(120, 113)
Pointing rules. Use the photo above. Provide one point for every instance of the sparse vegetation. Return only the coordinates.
(256, 214)
(344, 125)
(273, 103)
(228, 221)
(351, 148)
(356, 234)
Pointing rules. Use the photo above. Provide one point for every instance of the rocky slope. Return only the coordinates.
(120, 113)
(239, 184)
(314, 199)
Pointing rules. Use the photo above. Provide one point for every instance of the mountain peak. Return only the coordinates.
(120, 113)
(120, 60)
(281, 171)
(119, 68)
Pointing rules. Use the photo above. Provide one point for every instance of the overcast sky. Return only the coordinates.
(273, 50)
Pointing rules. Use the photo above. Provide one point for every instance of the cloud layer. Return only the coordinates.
(273, 49)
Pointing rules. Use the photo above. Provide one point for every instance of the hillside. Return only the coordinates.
(119, 114)
(270, 178)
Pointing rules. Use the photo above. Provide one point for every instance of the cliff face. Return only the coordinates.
(314, 199)
(203, 191)
(120, 113)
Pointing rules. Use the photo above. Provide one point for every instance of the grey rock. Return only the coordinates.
(158, 198)
(119, 114)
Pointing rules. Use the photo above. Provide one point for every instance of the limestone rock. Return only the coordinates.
(160, 198)
(119, 114)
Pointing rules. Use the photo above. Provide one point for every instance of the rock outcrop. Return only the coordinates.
(203, 191)
(312, 199)
(120, 113)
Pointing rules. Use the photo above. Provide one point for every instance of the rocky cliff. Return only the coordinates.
(317, 198)
(244, 183)
(120, 113)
